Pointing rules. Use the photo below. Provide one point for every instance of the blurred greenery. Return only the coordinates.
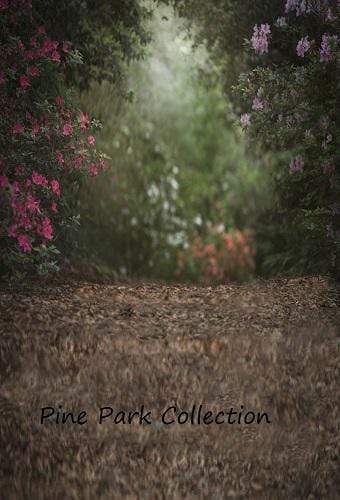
(179, 166)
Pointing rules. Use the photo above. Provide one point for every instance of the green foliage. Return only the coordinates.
(106, 34)
(178, 165)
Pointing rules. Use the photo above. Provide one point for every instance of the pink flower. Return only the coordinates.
(3, 181)
(33, 71)
(78, 162)
(18, 128)
(245, 120)
(59, 100)
(24, 82)
(55, 187)
(12, 231)
(32, 204)
(46, 229)
(93, 171)
(24, 243)
(54, 207)
(48, 46)
(84, 120)
(55, 56)
(59, 157)
(296, 165)
(91, 140)
(39, 179)
(303, 46)
(259, 39)
(67, 129)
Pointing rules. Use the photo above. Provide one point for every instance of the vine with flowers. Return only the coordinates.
(46, 145)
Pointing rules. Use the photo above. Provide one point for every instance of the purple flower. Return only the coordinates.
(281, 22)
(299, 6)
(260, 38)
(245, 120)
(296, 165)
(303, 46)
(326, 47)
(257, 104)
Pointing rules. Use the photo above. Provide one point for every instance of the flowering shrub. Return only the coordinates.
(221, 257)
(294, 111)
(45, 143)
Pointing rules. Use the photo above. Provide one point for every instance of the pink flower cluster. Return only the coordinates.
(49, 141)
(260, 37)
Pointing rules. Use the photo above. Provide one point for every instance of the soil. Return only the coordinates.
(263, 347)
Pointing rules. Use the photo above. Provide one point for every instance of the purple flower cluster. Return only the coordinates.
(303, 46)
(326, 47)
(300, 6)
(259, 39)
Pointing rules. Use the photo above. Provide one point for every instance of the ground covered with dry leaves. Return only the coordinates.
(271, 346)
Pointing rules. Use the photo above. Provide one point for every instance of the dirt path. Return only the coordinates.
(270, 346)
